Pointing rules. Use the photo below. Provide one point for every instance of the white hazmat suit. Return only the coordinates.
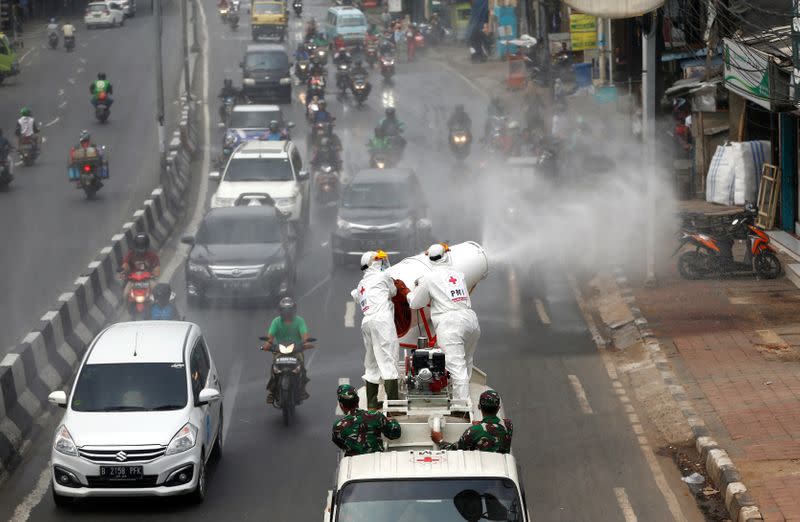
(457, 328)
(374, 296)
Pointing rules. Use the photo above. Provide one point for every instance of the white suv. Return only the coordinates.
(266, 167)
(143, 417)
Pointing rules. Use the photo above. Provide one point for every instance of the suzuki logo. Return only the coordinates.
(121, 456)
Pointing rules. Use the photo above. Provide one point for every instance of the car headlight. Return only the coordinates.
(405, 224)
(64, 443)
(276, 267)
(198, 269)
(327, 169)
(248, 81)
(284, 202)
(184, 440)
(223, 202)
(342, 224)
(285, 81)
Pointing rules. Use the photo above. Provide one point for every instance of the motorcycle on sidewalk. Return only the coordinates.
(712, 254)
(286, 369)
(233, 19)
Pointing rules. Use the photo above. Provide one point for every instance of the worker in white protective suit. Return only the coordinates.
(374, 296)
(457, 329)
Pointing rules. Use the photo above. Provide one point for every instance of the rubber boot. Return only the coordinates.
(372, 397)
(390, 386)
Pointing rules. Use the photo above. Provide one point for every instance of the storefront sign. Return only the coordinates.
(583, 30)
(747, 73)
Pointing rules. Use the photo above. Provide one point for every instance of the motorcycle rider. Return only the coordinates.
(85, 148)
(378, 142)
(457, 329)
(27, 127)
(311, 31)
(322, 115)
(140, 258)
(374, 296)
(360, 432)
(163, 307)
(490, 434)
(342, 56)
(326, 154)
(5, 150)
(99, 86)
(393, 130)
(52, 28)
(227, 91)
(301, 53)
(357, 70)
(274, 132)
(288, 328)
(68, 30)
(460, 120)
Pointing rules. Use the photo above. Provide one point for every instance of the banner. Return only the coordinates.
(583, 31)
(794, 84)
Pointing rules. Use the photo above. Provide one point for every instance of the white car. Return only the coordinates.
(266, 167)
(143, 417)
(128, 8)
(104, 14)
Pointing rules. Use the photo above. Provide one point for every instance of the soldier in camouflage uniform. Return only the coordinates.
(361, 431)
(490, 434)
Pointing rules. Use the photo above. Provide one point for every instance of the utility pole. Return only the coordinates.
(187, 84)
(601, 49)
(649, 143)
(195, 21)
(162, 148)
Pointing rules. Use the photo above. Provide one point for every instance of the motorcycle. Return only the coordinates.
(225, 110)
(712, 254)
(233, 19)
(319, 56)
(6, 172)
(28, 150)
(387, 67)
(52, 40)
(286, 369)
(361, 89)
(140, 295)
(101, 108)
(343, 77)
(500, 139)
(371, 54)
(326, 181)
(223, 13)
(460, 142)
(89, 176)
(298, 8)
(381, 159)
(69, 43)
(316, 87)
(301, 69)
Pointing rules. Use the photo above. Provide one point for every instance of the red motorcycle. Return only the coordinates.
(139, 296)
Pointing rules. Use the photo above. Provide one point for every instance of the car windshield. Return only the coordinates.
(97, 7)
(253, 119)
(131, 387)
(239, 230)
(352, 21)
(259, 169)
(268, 9)
(267, 60)
(376, 195)
(454, 500)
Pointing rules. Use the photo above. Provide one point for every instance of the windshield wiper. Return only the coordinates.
(168, 407)
(249, 179)
(123, 408)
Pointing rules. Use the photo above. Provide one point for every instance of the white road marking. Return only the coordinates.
(231, 390)
(51, 123)
(32, 499)
(514, 301)
(314, 288)
(625, 505)
(350, 315)
(325, 243)
(71, 81)
(338, 411)
(540, 309)
(61, 92)
(80, 70)
(25, 55)
(580, 393)
(62, 104)
(17, 163)
(82, 60)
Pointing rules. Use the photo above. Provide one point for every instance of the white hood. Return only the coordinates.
(276, 189)
(124, 428)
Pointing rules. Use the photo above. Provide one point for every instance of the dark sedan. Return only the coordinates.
(245, 251)
(381, 209)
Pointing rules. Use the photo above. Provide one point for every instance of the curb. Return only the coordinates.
(47, 357)
(719, 466)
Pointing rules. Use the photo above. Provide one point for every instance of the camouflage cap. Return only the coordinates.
(346, 393)
(489, 399)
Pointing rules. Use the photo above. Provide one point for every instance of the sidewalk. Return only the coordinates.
(735, 343)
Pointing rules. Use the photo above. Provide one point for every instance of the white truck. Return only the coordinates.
(412, 480)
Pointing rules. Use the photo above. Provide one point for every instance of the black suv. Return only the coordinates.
(381, 209)
(266, 74)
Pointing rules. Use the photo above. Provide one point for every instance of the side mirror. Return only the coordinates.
(208, 395)
(214, 175)
(187, 240)
(59, 398)
(302, 175)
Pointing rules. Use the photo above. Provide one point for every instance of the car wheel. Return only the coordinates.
(216, 451)
(60, 500)
(199, 494)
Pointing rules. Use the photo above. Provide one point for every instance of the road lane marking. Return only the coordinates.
(17, 163)
(314, 288)
(32, 499)
(61, 92)
(62, 104)
(51, 123)
(625, 505)
(231, 391)
(350, 315)
(71, 81)
(80, 70)
(580, 393)
(82, 60)
(514, 301)
(338, 411)
(25, 55)
(540, 309)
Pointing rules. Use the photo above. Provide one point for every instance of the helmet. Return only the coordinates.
(287, 308)
(322, 104)
(52, 20)
(141, 242)
(347, 395)
(379, 259)
(24, 111)
(439, 253)
(227, 82)
(273, 125)
(101, 76)
(390, 112)
(489, 399)
(162, 293)
(85, 136)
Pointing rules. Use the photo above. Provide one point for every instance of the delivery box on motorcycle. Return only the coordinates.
(87, 159)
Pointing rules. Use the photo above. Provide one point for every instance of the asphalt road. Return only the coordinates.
(50, 231)
(581, 460)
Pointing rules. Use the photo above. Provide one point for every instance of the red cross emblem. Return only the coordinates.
(453, 280)
(362, 291)
(428, 459)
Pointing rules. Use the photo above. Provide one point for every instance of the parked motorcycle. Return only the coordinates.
(69, 43)
(298, 8)
(139, 296)
(286, 368)
(387, 67)
(713, 249)
(460, 142)
(6, 172)
(101, 109)
(28, 150)
(52, 40)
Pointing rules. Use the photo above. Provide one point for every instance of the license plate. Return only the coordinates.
(121, 472)
(96, 15)
(236, 285)
(286, 360)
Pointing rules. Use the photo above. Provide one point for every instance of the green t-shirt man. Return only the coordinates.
(288, 333)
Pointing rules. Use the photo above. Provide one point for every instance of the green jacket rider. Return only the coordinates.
(360, 431)
(490, 434)
(379, 141)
